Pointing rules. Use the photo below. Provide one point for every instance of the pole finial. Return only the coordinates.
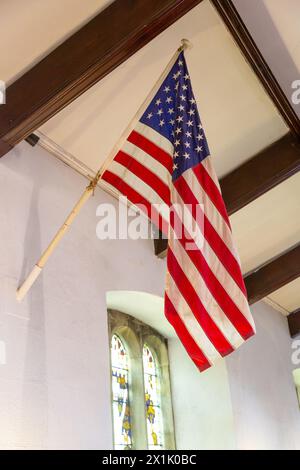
(185, 44)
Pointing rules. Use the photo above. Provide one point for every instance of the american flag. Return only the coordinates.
(165, 164)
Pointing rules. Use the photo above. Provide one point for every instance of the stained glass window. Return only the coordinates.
(120, 391)
(152, 400)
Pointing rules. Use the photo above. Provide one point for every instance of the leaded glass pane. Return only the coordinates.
(120, 391)
(152, 401)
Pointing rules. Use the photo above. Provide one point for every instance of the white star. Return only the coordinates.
(161, 123)
(176, 86)
(198, 148)
(177, 130)
(158, 102)
(172, 122)
(200, 137)
(171, 111)
(190, 123)
(191, 112)
(192, 101)
(167, 89)
(181, 107)
(200, 126)
(175, 76)
(175, 167)
(176, 154)
(159, 112)
(179, 119)
(149, 115)
(187, 145)
(186, 77)
(188, 134)
(186, 155)
(176, 143)
(169, 99)
(180, 62)
(184, 87)
(182, 97)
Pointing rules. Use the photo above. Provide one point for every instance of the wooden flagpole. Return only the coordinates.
(36, 271)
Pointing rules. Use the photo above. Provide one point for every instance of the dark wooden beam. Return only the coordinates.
(273, 275)
(160, 245)
(294, 323)
(99, 47)
(247, 45)
(258, 175)
(267, 169)
(4, 147)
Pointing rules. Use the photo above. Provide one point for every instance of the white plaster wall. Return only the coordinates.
(265, 408)
(246, 402)
(201, 403)
(55, 384)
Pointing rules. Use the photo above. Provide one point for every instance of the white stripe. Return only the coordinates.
(155, 137)
(207, 163)
(190, 322)
(141, 187)
(211, 306)
(215, 265)
(211, 212)
(149, 162)
(115, 193)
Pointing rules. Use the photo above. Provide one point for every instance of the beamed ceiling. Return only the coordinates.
(240, 118)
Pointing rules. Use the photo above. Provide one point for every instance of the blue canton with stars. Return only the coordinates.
(173, 113)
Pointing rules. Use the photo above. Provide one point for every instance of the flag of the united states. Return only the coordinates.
(165, 162)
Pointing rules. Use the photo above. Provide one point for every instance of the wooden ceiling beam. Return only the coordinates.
(294, 323)
(264, 171)
(254, 57)
(273, 275)
(109, 39)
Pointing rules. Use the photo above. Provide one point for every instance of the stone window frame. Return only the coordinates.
(134, 334)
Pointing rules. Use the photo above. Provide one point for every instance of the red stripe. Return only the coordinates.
(137, 199)
(212, 191)
(187, 340)
(145, 175)
(211, 235)
(186, 289)
(152, 149)
(220, 295)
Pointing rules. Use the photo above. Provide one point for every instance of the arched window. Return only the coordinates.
(141, 393)
(152, 400)
(120, 394)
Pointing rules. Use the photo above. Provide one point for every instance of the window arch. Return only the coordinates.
(142, 410)
(120, 394)
(152, 388)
